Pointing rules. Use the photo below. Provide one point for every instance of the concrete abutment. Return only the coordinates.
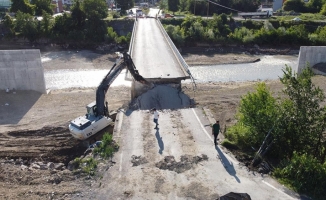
(22, 70)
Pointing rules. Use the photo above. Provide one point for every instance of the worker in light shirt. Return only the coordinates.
(156, 115)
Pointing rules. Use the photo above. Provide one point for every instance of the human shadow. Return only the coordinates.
(159, 141)
(227, 164)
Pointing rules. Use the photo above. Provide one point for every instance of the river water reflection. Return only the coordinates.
(269, 68)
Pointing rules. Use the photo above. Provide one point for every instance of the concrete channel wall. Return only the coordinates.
(311, 55)
(22, 70)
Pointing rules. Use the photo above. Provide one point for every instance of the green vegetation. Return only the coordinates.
(296, 122)
(88, 165)
(303, 173)
(84, 26)
(106, 149)
(222, 29)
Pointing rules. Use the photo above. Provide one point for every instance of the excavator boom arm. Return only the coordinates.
(101, 109)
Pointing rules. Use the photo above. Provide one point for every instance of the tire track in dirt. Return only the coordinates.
(53, 144)
(186, 139)
(148, 139)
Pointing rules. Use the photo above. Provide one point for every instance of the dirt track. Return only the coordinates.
(34, 128)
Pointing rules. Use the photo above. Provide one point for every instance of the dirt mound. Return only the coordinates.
(138, 160)
(186, 163)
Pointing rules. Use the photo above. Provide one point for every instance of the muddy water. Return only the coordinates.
(269, 68)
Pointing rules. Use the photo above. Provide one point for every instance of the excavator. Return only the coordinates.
(97, 116)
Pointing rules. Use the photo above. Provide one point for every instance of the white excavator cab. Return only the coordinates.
(91, 109)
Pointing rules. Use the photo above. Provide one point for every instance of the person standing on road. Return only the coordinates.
(216, 131)
(156, 115)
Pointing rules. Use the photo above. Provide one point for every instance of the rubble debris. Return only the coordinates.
(162, 97)
(186, 163)
(138, 160)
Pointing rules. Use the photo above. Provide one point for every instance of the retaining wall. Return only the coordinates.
(22, 70)
(311, 55)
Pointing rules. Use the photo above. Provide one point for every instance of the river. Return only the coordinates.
(268, 68)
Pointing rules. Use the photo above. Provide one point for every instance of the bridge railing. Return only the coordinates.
(176, 52)
(131, 46)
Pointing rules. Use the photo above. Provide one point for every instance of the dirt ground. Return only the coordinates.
(35, 142)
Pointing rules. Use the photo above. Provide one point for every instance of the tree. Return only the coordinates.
(23, 6)
(62, 27)
(28, 26)
(95, 9)
(173, 5)
(78, 17)
(9, 24)
(43, 5)
(258, 112)
(184, 5)
(125, 4)
(323, 9)
(163, 5)
(314, 6)
(246, 5)
(302, 123)
(46, 24)
(295, 5)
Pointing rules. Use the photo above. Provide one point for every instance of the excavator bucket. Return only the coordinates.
(235, 196)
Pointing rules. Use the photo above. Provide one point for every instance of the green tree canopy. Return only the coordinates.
(23, 6)
(78, 16)
(125, 4)
(95, 9)
(295, 5)
(9, 23)
(43, 5)
(27, 26)
(173, 5)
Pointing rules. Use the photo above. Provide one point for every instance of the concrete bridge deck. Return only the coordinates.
(153, 55)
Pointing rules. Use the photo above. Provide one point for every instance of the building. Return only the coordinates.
(274, 6)
(5, 3)
(58, 6)
(67, 2)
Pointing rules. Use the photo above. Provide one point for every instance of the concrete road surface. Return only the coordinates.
(181, 132)
(151, 53)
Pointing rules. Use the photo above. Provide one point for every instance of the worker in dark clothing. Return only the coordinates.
(216, 131)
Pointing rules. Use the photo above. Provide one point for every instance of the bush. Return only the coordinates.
(107, 147)
(111, 35)
(115, 15)
(238, 135)
(228, 144)
(122, 40)
(305, 174)
(90, 164)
